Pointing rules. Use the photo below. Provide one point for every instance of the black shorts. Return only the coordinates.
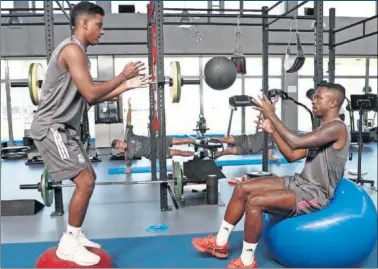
(250, 144)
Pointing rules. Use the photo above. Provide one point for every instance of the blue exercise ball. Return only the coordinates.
(220, 73)
(341, 235)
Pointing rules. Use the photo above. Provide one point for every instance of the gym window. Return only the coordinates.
(64, 4)
(345, 9)
(139, 98)
(373, 66)
(278, 10)
(2, 69)
(252, 86)
(185, 4)
(19, 69)
(6, 5)
(350, 67)
(129, 6)
(216, 108)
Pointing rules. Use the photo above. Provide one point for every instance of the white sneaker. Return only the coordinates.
(83, 240)
(69, 249)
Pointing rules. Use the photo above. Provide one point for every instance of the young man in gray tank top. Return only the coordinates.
(67, 90)
(326, 152)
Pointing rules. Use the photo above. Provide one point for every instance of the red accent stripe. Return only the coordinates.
(305, 204)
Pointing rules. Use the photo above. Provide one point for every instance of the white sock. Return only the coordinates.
(248, 253)
(224, 233)
(73, 231)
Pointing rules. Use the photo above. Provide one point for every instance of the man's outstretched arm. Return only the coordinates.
(328, 134)
(290, 155)
(73, 59)
(128, 117)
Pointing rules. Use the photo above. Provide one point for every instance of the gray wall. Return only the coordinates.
(30, 40)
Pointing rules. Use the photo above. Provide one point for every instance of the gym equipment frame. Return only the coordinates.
(156, 59)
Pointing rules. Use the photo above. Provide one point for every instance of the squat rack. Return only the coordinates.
(155, 19)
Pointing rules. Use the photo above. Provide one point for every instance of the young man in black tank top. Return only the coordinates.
(287, 196)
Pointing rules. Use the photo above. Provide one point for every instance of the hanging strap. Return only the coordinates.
(294, 21)
(238, 50)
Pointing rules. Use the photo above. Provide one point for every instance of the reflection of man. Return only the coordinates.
(326, 151)
(136, 146)
(247, 144)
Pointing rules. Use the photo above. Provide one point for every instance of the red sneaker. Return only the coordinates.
(237, 180)
(209, 245)
(237, 263)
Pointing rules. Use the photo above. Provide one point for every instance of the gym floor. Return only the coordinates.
(119, 215)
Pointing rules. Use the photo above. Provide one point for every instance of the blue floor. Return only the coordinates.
(151, 252)
(118, 217)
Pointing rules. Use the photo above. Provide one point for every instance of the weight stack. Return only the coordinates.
(20, 207)
(212, 190)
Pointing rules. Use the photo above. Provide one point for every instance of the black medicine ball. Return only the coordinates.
(220, 73)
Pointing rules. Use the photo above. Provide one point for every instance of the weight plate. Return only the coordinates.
(35, 82)
(176, 82)
(259, 174)
(179, 187)
(46, 193)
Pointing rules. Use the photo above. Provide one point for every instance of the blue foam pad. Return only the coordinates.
(342, 235)
(135, 170)
(147, 169)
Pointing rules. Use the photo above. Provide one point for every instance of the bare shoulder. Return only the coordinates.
(71, 53)
(338, 128)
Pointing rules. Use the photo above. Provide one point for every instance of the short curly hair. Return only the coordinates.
(85, 8)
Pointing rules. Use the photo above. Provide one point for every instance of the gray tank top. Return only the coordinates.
(325, 165)
(62, 105)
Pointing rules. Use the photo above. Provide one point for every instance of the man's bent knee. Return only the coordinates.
(258, 185)
(243, 190)
(85, 180)
(255, 201)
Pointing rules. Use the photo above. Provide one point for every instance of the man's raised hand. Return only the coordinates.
(264, 124)
(138, 82)
(133, 69)
(264, 106)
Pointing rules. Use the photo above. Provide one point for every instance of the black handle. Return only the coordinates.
(19, 85)
(29, 187)
(190, 82)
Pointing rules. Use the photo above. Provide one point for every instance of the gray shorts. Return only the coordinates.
(63, 154)
(251, 144)
(168, 144)
(309, 198)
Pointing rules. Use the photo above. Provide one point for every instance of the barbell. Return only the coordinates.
(175, 81)
(46, 186)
